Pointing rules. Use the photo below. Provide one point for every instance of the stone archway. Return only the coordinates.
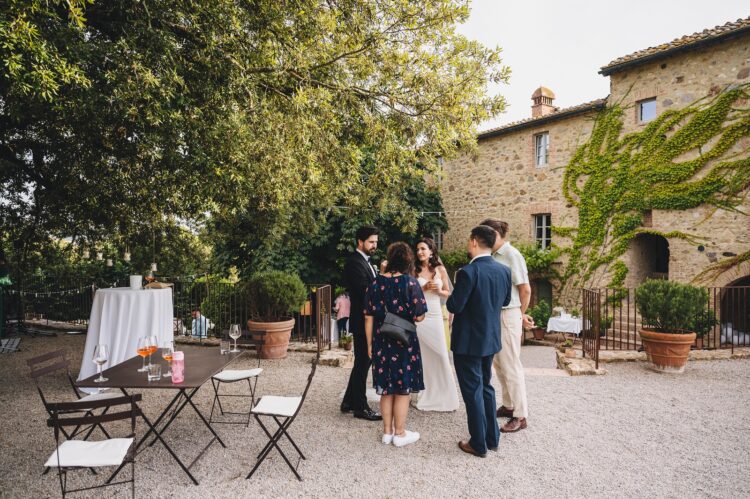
(735, 312)
(648, 258)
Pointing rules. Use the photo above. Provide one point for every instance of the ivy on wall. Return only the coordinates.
(683, 159)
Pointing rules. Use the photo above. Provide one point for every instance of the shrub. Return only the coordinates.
(274, 295)
(454, 260)
(671, 307)
(540, 262)
(540, 313)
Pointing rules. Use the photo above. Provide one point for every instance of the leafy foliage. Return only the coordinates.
(672, 307)
(121, 117)
(540, 262)
(541, 313)
(454, 260)
(613, 179)
(274, 295)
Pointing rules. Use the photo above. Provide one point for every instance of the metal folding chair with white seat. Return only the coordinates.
(233, 376)
(71, 455)
(284, 411)
(52, 362)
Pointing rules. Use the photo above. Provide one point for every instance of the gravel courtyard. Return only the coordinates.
(630, 433)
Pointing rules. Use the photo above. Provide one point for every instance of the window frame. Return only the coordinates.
(639, 110)
(535, 143)
(545, 240)
(438, 238)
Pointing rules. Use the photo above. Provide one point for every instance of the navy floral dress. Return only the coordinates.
(396, 368)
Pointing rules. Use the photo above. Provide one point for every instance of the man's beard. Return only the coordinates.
(371, 251)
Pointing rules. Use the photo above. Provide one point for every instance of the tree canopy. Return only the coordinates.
(120, 116)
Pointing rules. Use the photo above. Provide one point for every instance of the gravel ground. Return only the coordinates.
(631, 433)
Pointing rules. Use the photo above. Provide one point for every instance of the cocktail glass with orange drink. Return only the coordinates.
(143, 350)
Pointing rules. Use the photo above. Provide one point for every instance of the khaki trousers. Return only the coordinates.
(507, 363)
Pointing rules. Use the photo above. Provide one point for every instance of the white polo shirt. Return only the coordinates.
(510, 256)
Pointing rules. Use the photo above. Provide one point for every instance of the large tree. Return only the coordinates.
(118, 115)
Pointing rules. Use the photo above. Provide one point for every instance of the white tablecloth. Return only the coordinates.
(565, 325)
(119, 316)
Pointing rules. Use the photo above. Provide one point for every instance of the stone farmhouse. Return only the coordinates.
(517, 171)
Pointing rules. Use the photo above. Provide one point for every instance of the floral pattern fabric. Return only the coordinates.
(396, 368)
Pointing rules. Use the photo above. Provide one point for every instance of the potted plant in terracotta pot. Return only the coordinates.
(669, 311)
(274, 296)
(345, 341)
(703, 324)
(540, 313)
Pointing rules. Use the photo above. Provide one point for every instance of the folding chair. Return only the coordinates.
(52, 362)
(233, 376)
(284, 411)
(72, 455)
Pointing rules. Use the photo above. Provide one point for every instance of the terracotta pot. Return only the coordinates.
(668, 352)
(276, 340)
(699, 343)
(348, 346)
(538, 333)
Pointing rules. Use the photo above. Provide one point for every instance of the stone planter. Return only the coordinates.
(570, 353)
(667, 352)
(276, 339)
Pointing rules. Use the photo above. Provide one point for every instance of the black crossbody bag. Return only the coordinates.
(397, 328)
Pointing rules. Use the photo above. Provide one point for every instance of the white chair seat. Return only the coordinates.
(100, 396)
(277, 406)
(229, 375)
(83, 453)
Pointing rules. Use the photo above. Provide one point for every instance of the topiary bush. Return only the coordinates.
(672, 307)
(274, 295)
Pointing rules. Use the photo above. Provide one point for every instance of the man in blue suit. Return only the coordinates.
(482, 289)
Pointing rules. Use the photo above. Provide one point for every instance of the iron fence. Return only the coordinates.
(221, 302)
(611, 316)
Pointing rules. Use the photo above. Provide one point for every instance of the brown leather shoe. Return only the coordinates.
(504, 412)
(514, 425)
(467, 448)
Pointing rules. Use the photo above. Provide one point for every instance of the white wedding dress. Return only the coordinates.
(440, 392)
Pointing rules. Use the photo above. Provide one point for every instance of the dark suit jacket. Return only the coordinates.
(357, 276)
(482, 290)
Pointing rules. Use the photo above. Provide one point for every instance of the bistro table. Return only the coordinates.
(565, 325)
(200, 365)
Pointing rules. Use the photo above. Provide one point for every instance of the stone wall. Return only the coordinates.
(501, 180)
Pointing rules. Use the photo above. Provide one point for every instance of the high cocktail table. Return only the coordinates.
(200, 365)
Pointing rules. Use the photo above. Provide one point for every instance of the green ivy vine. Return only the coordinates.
(682, 159)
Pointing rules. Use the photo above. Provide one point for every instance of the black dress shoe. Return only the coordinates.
(368, 414)
(346, 407)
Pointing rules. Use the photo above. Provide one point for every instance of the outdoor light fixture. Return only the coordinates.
(126, 256)
(99, 256)
(109, 262)
(153, 267)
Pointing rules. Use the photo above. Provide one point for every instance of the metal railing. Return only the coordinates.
(611, 320)
(218, 300)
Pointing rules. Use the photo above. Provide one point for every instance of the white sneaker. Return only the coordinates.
(409, 438)
(387, 438)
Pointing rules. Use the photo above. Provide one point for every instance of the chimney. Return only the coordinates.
(542, 106)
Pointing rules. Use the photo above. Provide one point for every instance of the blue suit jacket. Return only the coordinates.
(482, 290)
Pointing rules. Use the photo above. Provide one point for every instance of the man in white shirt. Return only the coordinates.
(507, 362)
(200, 325)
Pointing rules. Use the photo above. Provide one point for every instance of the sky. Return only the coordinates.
(562, 44)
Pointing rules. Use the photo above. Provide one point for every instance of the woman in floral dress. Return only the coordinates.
(396, 368)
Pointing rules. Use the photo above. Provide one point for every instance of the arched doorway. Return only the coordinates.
(735, 312)
(649, 258)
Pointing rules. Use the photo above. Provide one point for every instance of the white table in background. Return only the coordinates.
(119, 316)
(565, 325)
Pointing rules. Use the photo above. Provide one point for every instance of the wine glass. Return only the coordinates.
(234, 333)
(153, 346)
(143, 350)
(166, 353)
(100, 358)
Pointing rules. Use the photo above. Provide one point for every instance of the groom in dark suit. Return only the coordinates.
(358, 274)
(482, 290)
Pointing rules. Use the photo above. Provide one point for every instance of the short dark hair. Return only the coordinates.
(400, 258)
(498, 225)
(484, 235)
(364, 232)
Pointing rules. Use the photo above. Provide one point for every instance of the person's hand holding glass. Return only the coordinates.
(100, 358)
(166, 353)
(234, 333)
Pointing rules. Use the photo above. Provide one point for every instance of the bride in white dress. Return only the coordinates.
(440, 392)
